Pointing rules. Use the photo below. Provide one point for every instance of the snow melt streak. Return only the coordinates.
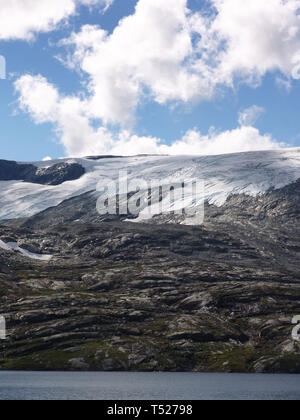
(12, 246)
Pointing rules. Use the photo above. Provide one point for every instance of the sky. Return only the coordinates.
(126, 77)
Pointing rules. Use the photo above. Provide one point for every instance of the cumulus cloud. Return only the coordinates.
(66, 113)
(242, 139)
(259, 36)
(79, 138)
(171, 54)
(22, 19)
(144, 52)
(166, 53)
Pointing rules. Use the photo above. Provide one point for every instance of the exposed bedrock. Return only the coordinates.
(53, 175)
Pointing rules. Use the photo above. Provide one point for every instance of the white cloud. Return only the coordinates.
(47, 159)
(250, 115)
(22, 19)
(32, 89)
(242, 139)
(170, 54)
(81, 139)
(144, 52)
(166, 53)
(260, 36)
(66, 113)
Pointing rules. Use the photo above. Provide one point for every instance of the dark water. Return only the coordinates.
(148, 386)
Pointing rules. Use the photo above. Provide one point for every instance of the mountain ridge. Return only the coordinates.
(157, 295)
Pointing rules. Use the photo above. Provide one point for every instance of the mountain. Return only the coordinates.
(80, 290)
(246, 173)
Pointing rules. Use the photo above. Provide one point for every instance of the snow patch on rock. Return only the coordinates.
(14, 247)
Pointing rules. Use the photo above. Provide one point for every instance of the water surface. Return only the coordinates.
(146, 386)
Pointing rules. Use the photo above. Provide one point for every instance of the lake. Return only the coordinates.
(146, 386)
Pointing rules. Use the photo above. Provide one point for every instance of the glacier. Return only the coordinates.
(250, 173)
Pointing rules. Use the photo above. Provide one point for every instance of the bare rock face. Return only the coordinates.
(59, 173)
(10, 171)
(53, 175)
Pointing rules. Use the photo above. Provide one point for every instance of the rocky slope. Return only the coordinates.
(52, 175)
(155, 296)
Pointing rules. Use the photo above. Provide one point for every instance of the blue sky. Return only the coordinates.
(186, 118)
